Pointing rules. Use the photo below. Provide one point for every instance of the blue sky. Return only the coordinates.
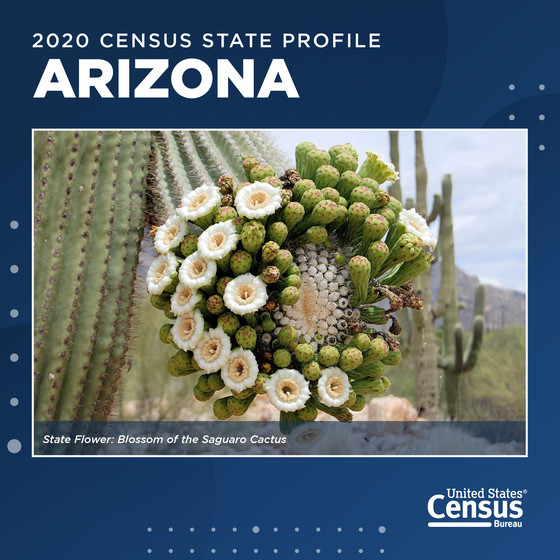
(488, 168)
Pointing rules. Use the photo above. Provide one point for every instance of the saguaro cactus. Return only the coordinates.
(91, 200)
(89, 217)
(424, 345)
(453, 358)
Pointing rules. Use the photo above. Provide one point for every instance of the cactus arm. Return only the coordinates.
(395, 189)
(458, 349)
(80, 190)
(181, 183)
(226, 143)
(421, 176)
(475, 343)
(264, 145)
(436, 208)
(98, 256)
(197, 172)
(105, 334)
(409, 203)
(159, 201)
(125, 302)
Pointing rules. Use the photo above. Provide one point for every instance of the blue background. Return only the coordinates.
(442, 64)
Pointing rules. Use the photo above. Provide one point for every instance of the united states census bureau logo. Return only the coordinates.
(486, 507)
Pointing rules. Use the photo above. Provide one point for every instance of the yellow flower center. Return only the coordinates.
(198, 268)
(245, 294)
(334, 387)
(160, 272)
(238, 370)
(170, 234)
(187, 328)
(257, 200)
(197, 201)
(217, 240)
(211, 350)
(184, 295)
(287, 390)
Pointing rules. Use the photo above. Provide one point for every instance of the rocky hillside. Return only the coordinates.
(499, 302)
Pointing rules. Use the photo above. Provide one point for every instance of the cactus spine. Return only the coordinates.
(453, 358)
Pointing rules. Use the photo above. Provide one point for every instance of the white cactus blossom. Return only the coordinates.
(213, 350)
(287, 390)
(184, 299)
(218, 240)
(160, 272)
(241, 370)
(170, 234)
(333, 386)
(416, 224)
(199, 203)
(187, 330)
(245, 294)
(258, 200)
(197, 271)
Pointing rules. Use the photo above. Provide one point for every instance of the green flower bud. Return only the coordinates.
(308, 413)
(315, 235)
(215, 304)
(368, 386)
(359, 404)
(287, 336)
(340, 259)
(343, 202)
(375, 227)
(260, 383)
(239, 407)
(246, 337)
(312, 197)
(350, 359)
(360, 270)
(241, 395)
(301, 187)
(351, 400)
(368, 369)
(407, 248)
(377, 349)
(361, 341)
(347, 183)
(225, 184)
(364, 195)
(301, 151)
(277, 232)
(328, 356)
(270, 274)
(200, 395)
(248, 163)
(338, 149)
(292, 280)
(377, 168)
(222, 283)
(267, 323)
(220, 409)
(325, 212)
(283, 260)
(357, 213)
(225, 213)
(313, 160)
(326, 177)
(282, 358)
(387, 213)
(237, 188)
(331, 194)
(240, 263)
(369, 183)
(292, 214)
(229, 322)
(393, 358)
(167, 311)
(311, 370)
(274, 181)
(269, 251)
(252, 236)
(164, 333)
(345, 162)
(374, 315)
(289, 296)
(260, 171)
(286, 196)
(382, 198)
(293, 269)
(161, 301)
(376, 254)
(189, 244)
(203, 383)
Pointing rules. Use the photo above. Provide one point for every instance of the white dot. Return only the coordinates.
(541, 117)
(339, 529)
(149, 551)
(234, 529)
(213, 551)
(339, 550)
(14, 313)
(14, 357)
(213, 529)
(511, 87)
(14, 269)
(256, 529)
(382, 529)
(318, 529)
(541, 87)
(192, 550)
(382, 550)
(296, 529)
(149, 529)
(541, 147)
(234, 550)
(318, 551)
(14, 401)
(171, 529)
(296, 550)
(192, 529)
(275, 529)
(512, 117)
(256, 551)
(14, 224)
(360, 550)
(170, 551)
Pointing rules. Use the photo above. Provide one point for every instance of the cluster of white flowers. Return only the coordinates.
(323, 309)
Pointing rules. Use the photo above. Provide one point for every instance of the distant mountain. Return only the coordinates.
(509, 304)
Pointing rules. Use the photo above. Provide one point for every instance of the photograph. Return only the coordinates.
(290, 282)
